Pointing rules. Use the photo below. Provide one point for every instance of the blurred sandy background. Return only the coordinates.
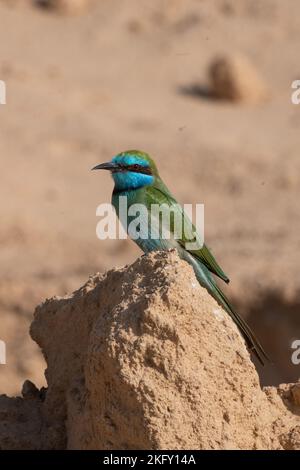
(86, 83)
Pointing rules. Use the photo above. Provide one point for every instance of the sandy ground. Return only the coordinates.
(129, 75)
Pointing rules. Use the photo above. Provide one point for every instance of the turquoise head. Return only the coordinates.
(130, 170)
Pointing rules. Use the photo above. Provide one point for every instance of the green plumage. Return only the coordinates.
(136, 177)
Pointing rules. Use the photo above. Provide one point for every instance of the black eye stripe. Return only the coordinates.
(137, 169)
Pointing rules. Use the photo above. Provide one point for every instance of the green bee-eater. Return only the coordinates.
(136, 177)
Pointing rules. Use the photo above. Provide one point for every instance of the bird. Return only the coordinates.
(136, 178)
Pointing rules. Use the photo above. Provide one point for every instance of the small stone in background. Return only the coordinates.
(234, 78)
(29, 390)
(67, 7)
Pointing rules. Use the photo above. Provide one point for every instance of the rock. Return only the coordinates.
(138, 359)
(234, 78)
(295, 392)
(29, 390)
(291, 441)
(20, 424)
(69, 7)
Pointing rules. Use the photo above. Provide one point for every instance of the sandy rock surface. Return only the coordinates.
(143, 358)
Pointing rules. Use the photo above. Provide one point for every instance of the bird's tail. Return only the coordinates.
(206, 280)
(252, 342)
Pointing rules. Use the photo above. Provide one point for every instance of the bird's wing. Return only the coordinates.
(159, 194)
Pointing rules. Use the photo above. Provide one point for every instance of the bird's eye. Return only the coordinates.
(136, 167)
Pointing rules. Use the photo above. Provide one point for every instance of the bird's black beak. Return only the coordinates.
(106, 166)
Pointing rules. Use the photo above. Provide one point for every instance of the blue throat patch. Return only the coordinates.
(131, 180)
